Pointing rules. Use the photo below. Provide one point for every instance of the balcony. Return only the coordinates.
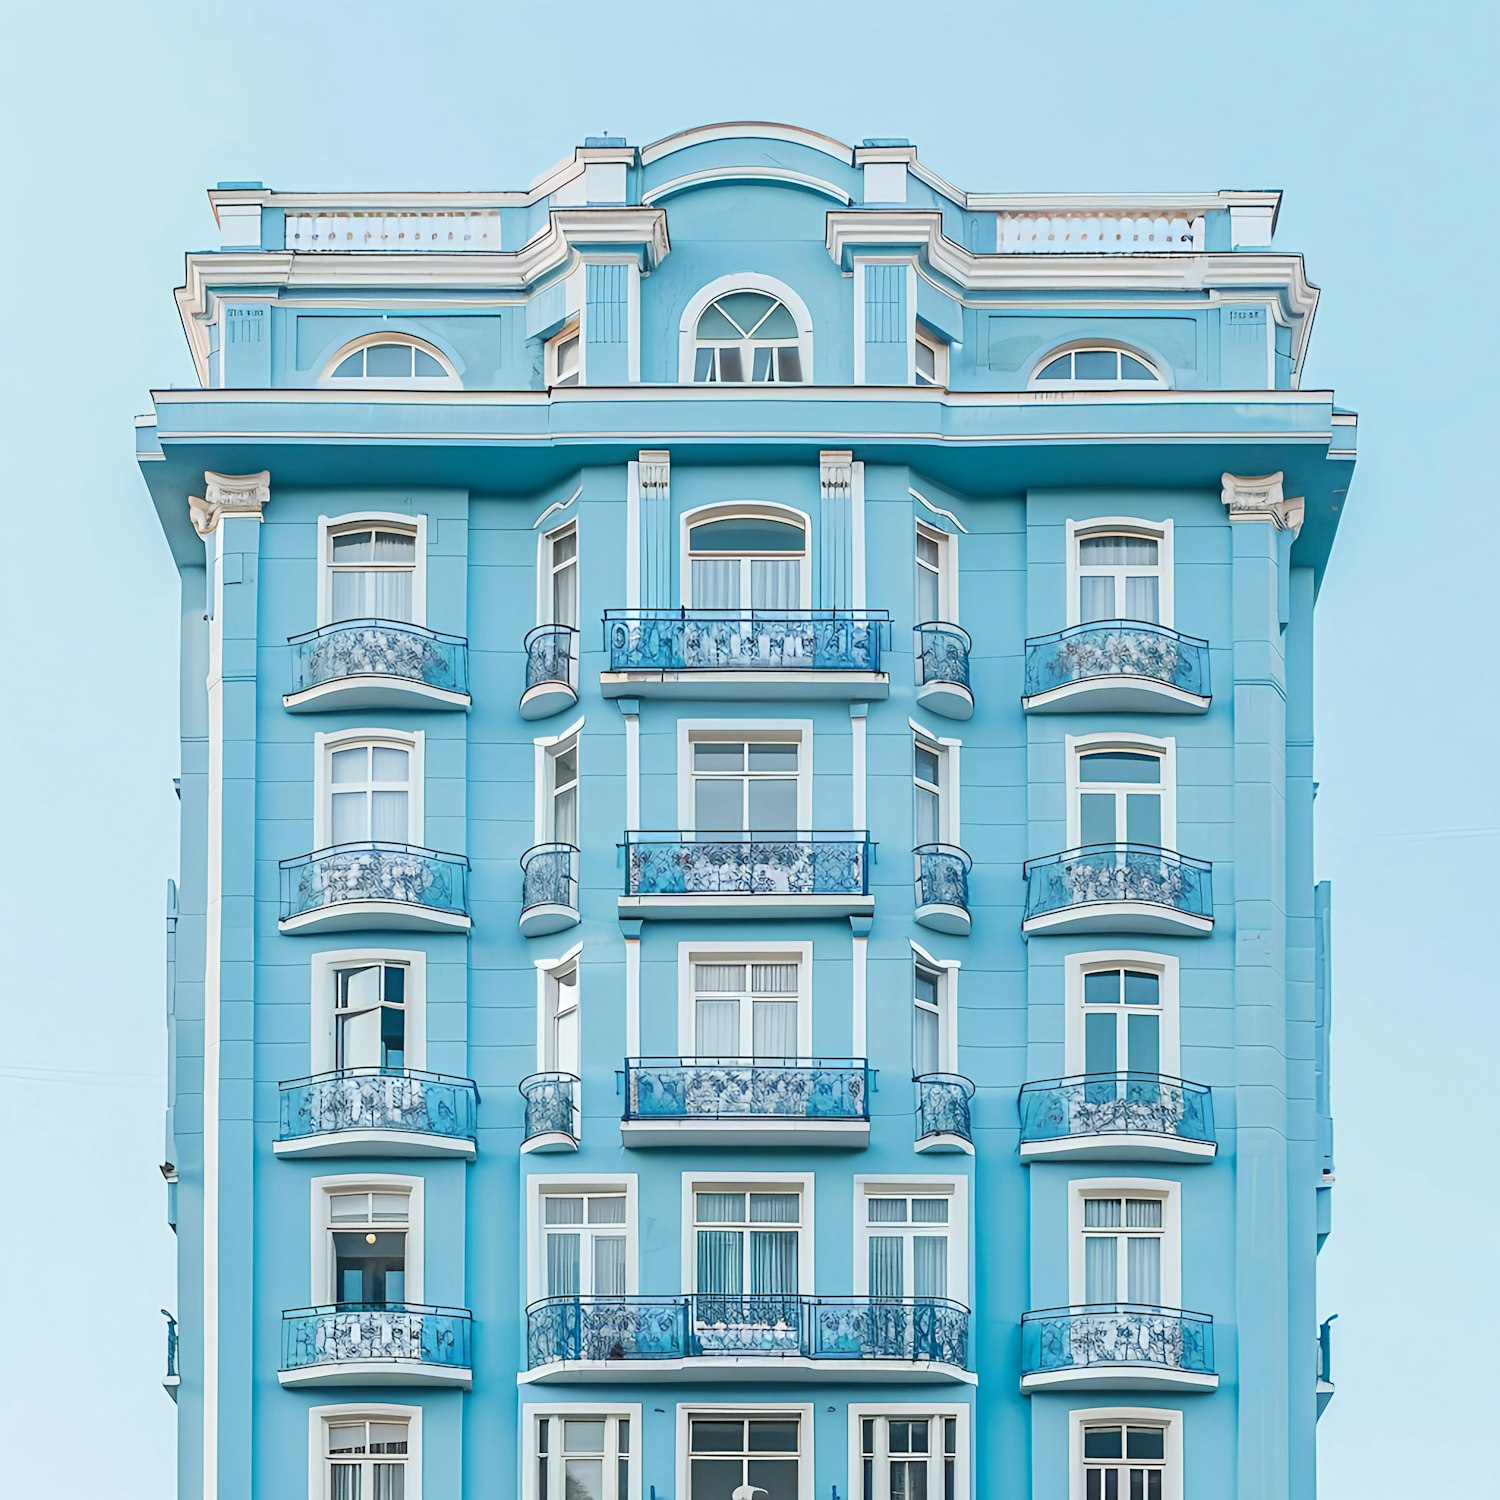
(357, 664)
(943, 888)
(378, 1112)
(747, 875)
(1119, 888)
(943, 1124)
(1116, 666)
(1117, 1346)
(715, 653)
(552, 1122)
(943, 670)
(353, 886)
(549, 889)
(369, 1344)
(1117, 1117)
(686, 1101)
(551, 671)
(172, 1379)
(760, 1337)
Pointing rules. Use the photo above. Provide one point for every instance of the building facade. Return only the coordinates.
(747, 926)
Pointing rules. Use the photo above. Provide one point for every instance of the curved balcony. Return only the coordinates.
(377, 664)
(747, 875)
(378, 1112)
(943, 669)
(350, 886)
(551, 671)
(1118, 1346)
(552, 1122)
(943, 1123)
(764, 1337)
(688, 1101)
(1116, 666)
(549, 889)
(370, 1344)
(1118, 888)
(1117, 1117)
(762, 653)
(943, 888)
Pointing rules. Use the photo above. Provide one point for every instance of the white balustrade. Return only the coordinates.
(437, 230)
(1082, 232)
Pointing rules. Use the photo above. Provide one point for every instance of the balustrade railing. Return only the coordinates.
(748, 864)
(943, 1105)
(770, 640)
(397, 1332)
(401, 873)
(943, 653)
(696, 1088)
(379, 1099)
(1118, 872)
(549, 876)
(1116, 1104)
(551, 656)
(431, 230)
(943, 875)
(379, 648)
(551, 1105)
(1116, 648)
(1098, 1334)
(1084, 232)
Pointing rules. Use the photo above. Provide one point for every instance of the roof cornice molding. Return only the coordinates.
(763, 130)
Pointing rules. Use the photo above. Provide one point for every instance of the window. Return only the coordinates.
(1122, 1020)
(369, 1016)
(932, 1047)
(582, 1457)
(1124, 1460)
(1120, 796)
(748, 1246)
(371, 792)
(585, 1237)
(758, 1458)
(560, 792)
(372, 574)
(906, 1236)
(560, 1040)
(366, 1459)
(744, 1008)
(1120, 576)
(558, 604)
(1122, 1248)
(745, 335)
(931, 813)
(367, 1245)
(929, 360)
(1097, 366)
(908, 1458)
(747, 561)
(391, 360)
(935, 591)
(745, 785)
(564, 357)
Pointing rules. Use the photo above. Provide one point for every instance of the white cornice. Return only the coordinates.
(780, 175)
(759, 130)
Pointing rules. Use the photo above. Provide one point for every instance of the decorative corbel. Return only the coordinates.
(229, 495)
(1260, 498)
(655, 473)
(836, 474)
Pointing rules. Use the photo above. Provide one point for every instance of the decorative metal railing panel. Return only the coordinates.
(688, 1088)
(769, 1325)
(1118, 872)
(551, 655)
(401, 1332)
(943, 1105)
(551, 1104)
(374, 872)
(943, 875)
(750, 864)
(430, 230)
(379, 648)
(771, 640)
(1116, 648)
(943, 653)
(379, 1099)
(549, 876)
(171, 1371)
(1114, 1334)
(1085, 231)
(1116, 1104)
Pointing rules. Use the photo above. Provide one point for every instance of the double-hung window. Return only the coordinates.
(929, 360)
(560, 805)
(1123, 1237)
(909, 1458)
(755, 562)
(933, 560)
(565, 356)
(367, 1245)
(930, 790)
(1120, 797)
(369, 1016)
(748, 1247)
(560, 1049)
(559, 602)
(372, 573)
(365, 1460)
(744, 1008)
(1123, 1460)
(745, 1458)
(584, 1243)
(370, 793)
(745, 785)
(1119, 577)
(1122, 1020)
(583, 1457)
(929, 1020)
(907, 1238)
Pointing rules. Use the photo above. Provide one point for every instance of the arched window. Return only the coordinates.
(1095, 365)
(747, 336)
(387, 359)
(739, 559)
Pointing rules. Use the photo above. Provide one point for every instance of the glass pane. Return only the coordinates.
(775, 583)
(390, 765)
(1142, 988)
(346, 1437)
(346, 1208)
(731, 364)
(928, 550)
(929, 1266)
(720, 1208)
(565, 766)
(1096, 599)
(715, 1476)
(926, 819)
(747, 534)
(929, 1210)
(721, 1262)
(928, 607)
(1143, 820)
(718, 755)
(772, 1436)
(1143, 1213)
(887, 1210)
(609, 1265)
(1100, 1269)
(1145, 1442)
(926, 364)
(773, 806)
(703, 365)
(387, 1437)
(925, 1043)
(562, 1210)
(925, 982)
(388, 359)
(760, 367)
(773, 757)
(1132, 369)
(717, 1028)
(773, 1261)
(773, 979)
(565, 816)
(778, 324)
(774, 1028)
(775, 1208)
(608, 1208)
(719, 979)
(1101, 987)
(1096, 819)
(1060, 368)
(353, 546)
(1118, 551)
(351, 368)
(563, 1260)
(1095, 364)
(1101, 1213)
(583, 1478)
(718, 806)
(1143, 1044)
(789, 364)
(714, 325)
(350, 821)
(777, 1477)
(716, 583)
(746, 310)
(1099, 1044)
(928, 765)
(1143, 1270)
(349, 765)
(425, 364)
(1120, 766)
(717, 1437)
(388, 819)
(1142, 599)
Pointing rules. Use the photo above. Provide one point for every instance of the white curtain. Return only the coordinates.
(885, 1266)
(1100, 1274)
(775, 1028)
(609, 1265)
(718, 1028)
(716, 583)
(925, 1042)
(775, 583)
(388, 820)
(929, 1265)
(1143, 1270)
(562, 1265)
(1096, 599)
(1142, 599)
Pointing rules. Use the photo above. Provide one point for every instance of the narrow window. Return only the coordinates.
(930, 820)
(1120, 798)
(560, 1041)
(754, 1457)
(365, 1460)
(370, 794)
(929, 360)
(932, 592)
(910, 1458)
(747, 336)
(747, 1255)
(564, 357)
(907, 1237)
(584, 1243)
(371, 573)
(929, 1039)
(1123, 1461)
(560, 806)
(582, 1457)
(1119, 577)
(744, 1009)
(367, 1235)
(1122, 1249)
(369, 1016)
(560, 576)
(745, 786)
(737, 562)
(1122, 1020)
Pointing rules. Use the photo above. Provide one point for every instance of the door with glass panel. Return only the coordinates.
(1122, 1250)
(1122, 1034)
(585, 1238)
(745, 786)
(370, 795)
(583, 1458)
(372, 574)
(746, 564)
(367, 1236)
(369, 1017)
(1120, 798)
(747, 1245)
(907, 1234)
(366, 1460)
(744, 1458)
(909, 1458)
(1119, 578)
(744, 1010)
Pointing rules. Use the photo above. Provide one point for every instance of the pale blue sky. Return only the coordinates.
(1378, 122)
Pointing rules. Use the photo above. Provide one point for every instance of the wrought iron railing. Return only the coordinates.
(551, 1105)
(1116, 1334)
(760, 640)
(943, 1105)
(379, 1099)
(1118, 872)
(172, 1371)
(769, 1326)
(374, 872)
(943, 653)
(549, 876)
(379, 648)
(551, 655)
(943, 875)
(1116, 1104)
(705, 1088)
(748, 864)
(398, 1332)
(1116, 648)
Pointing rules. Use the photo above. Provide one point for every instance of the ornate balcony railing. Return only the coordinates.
(551, 656)
(1115, 649)
(551, 1105)
(398, 1332)
(1116, 1104)
(549, 876)
(748, 864)
(943, 1106)
(1118, 873)
(172, 1373)
(943, 653)
(1103, 1334)
(379, 648)
(943, 875)
(770, 1325)
(697, 1088)
(441, 230)
(395, 873)
(1098, 231)
(762, 640)
(407, 1100)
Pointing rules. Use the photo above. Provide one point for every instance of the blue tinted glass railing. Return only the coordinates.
(172, 1372)
(1116, 1104)
(379, 1099)
(943, 653)
(549, 876)
(689, 1088)
(379, 648)
(765, 640)
(1116, 1333)
(1118, 872)
(1116, 648)
(550, 1105)
(748, 864)
(374, 872)
(551, 655)
(943, 876)
(943, 1105)
(630, 1328)
(401, 1332)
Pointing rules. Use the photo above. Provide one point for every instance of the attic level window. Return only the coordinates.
(747, 336)
(1097, 367)
(386, 361)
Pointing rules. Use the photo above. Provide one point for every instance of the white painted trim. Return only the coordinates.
(556, 506)
(632, 997)
(686, 1410)
(1171, 1482)
(546, 974)
(630, 1411)
(778, 176)
(948, 748)
(857, 531)
(323, 1050)
(937, 510)
(632, 534)
(743, 281)
(1074, 967)
(632, 770)
(538, 1185)
(963, 1467)
(1077, 745)
(544, 570)
(352, 521)
(1165, 1188)
(928, 958)
(955, 1188)
(947, 545)
(728, 510)
(859, 726)
(545, 748)
(448, 380)
(687, 952)
(326, 742)
(859, 321)
(706, 1179)
(1114, 346)
(741, 130)
(859, 981)
(749, 729)
(321, 1282)
(1166, 563)
(319, 1417)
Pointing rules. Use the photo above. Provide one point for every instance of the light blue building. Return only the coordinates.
(747, 926)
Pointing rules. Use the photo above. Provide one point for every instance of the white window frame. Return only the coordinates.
(939, 347)
(447, 381)
(320, 1418)
(330, 526)
(689, 953)
(590, 1411)
(323, 1190)
(947, 969)
(779, 731)
(555, 373)
(955, 1189)
(1163, 965)
(324, 1048)
(708, 1181)
(1091, 346)
(947, 750)
(947, 573)
(859, 1413)
(1141, 1416)
(547, 972)
(546, 749)
(1079, 745)
(547, 568)
(1170, 1194)
(744, 281)
(538, 1187)
(755, 510)
(806, 1457)
(414, 742)
(1161, 532)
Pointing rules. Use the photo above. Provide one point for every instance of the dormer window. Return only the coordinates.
(1102, 365)
(564, 356)
(387, 360)
(747, 336)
